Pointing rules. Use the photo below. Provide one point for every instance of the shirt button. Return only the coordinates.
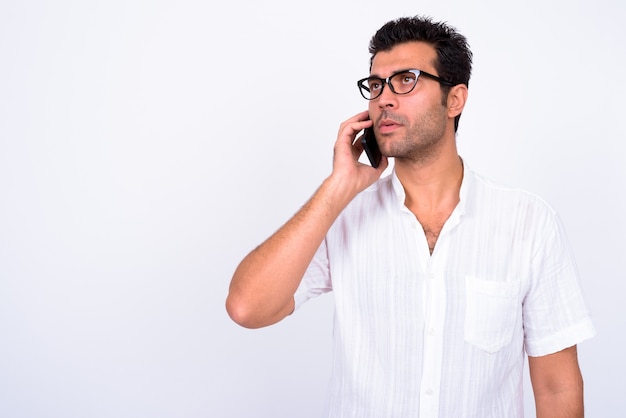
(431, 331)
(429, 391)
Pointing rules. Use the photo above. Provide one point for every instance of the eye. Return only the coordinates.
(375, 85)
(408, 78)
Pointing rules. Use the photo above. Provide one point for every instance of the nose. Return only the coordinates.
(387, 98)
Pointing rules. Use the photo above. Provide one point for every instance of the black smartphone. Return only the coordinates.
(371, 147)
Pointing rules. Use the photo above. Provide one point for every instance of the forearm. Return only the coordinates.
(557, 384)
(262, 288)
(263, 285)
(566, 404)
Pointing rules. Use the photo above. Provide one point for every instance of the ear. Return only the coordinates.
(457, 97)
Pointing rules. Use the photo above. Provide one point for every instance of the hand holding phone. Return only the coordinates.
(371, 147)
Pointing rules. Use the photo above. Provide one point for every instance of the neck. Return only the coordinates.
(433, 184)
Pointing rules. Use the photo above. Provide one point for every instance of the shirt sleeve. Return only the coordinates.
(316, 279)
(555, 313)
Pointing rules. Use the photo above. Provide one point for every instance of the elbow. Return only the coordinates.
(249, 314)
(240, 312)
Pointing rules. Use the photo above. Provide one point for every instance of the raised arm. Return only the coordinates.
(262, 288)
(557, 384)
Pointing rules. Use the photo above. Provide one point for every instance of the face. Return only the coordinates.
(409, 125)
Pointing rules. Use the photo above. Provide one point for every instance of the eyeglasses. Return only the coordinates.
(402, 82)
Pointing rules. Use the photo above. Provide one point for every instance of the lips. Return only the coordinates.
(387, 125)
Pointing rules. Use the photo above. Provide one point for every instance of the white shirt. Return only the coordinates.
(445, 335)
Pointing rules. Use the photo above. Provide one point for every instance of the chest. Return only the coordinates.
(392, 256)
(432, 221)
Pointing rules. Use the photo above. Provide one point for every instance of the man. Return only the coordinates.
(443, 280)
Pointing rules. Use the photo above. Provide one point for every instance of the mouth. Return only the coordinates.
(386, 126)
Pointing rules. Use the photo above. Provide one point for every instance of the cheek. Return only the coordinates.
(429, 124)
(429, 115)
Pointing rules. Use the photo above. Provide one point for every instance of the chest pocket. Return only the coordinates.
(491, 309)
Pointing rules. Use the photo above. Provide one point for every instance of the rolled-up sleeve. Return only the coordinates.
(316, 279)
(555, 313)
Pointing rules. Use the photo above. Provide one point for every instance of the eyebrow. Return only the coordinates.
(392, 74)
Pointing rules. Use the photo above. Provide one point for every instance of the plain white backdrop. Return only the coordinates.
(147, 146)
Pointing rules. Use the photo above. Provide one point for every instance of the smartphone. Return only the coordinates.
(371, 147)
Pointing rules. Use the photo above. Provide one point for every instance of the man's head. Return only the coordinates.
(454, 58)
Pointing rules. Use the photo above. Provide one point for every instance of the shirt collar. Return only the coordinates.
(466, 185)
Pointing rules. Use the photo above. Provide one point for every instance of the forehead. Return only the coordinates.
(408, 55)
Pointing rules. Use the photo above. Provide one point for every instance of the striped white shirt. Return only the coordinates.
(445, 335)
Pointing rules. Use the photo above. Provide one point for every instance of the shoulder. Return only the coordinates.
(487, 192)
(371, 204)
(512, 211)
(375, 196)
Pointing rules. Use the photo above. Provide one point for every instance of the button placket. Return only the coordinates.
(434, 310)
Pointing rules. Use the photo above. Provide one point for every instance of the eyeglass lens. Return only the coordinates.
(401, 83)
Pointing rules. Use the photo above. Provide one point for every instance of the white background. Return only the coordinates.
(147, 146)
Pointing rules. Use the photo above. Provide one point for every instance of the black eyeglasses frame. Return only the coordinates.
(386, 81)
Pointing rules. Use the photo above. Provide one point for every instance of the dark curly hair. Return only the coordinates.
(454, 57)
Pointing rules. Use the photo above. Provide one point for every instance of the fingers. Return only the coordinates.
(346, 146)
(353, 174)
(349, 128)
